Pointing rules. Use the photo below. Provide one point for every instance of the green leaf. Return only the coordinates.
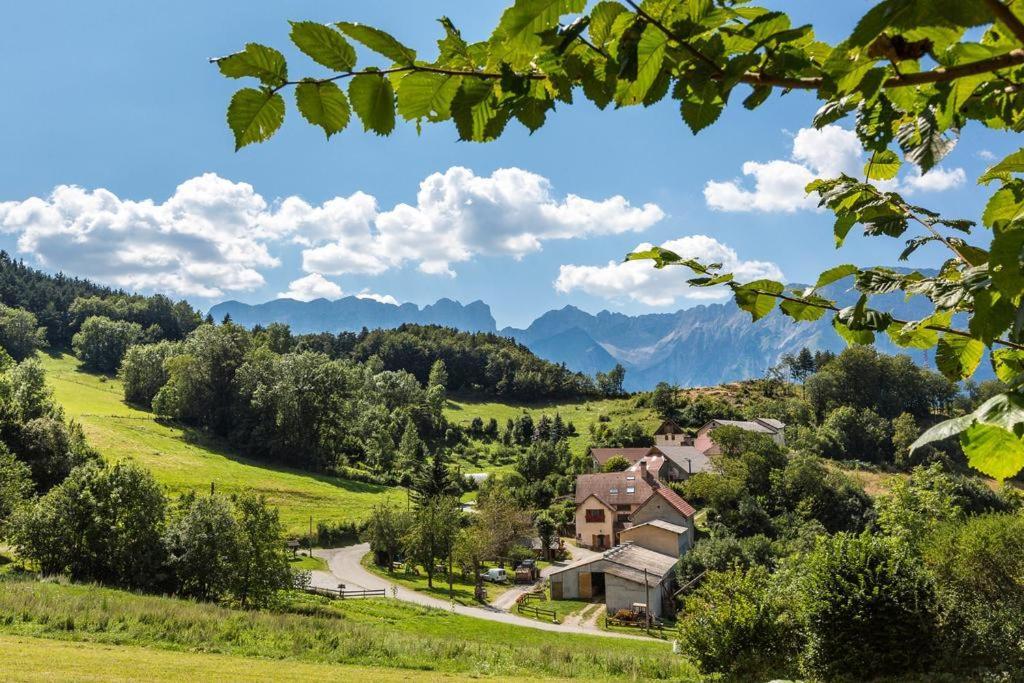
(883, 166)
(476, 117)
(992, 450)
(1007, 204)
(943, 430)
(701, 108)
(756, 298)
(254, 115)
(257, 61)
(1006, 256)
(427, 95)
(958, 357)
(650, 54)
(804, 312)
(601, 19)
(520, 23)
(1008, 365)
(661, 257)
(379, 41)
(324, 105)
(835, 274)
(1001, 171)
(323, 45)
(851, 337)
(373, 98)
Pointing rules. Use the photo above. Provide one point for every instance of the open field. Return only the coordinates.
(37, 659)
(582, 414)
(183, 460)
(462, 591)
(365, 633)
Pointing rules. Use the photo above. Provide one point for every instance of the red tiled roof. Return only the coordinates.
(602, 455)
(675, 500)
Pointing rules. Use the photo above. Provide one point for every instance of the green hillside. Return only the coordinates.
(462, 411)
(183, 460)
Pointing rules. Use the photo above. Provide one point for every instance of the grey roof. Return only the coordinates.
(772, 422)
(629, 561)
(687, 458)
(661, 524)
(752, 425)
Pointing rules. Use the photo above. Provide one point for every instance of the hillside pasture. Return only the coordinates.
(185, 460)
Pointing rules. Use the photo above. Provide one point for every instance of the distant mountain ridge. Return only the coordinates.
(700, 346)
(351, 314)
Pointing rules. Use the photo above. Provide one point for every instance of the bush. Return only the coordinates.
(868, 609)
(20, 333)
(142, 371)
(738, 623)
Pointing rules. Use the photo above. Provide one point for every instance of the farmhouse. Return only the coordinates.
(670, 434)
(704, 442)
(628, 574)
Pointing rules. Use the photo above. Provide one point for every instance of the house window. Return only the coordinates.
(630, 489)
(595, 515)
(622, 519)
(613, 490)
(631, 478)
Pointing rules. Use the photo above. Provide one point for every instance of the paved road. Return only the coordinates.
(345, 569)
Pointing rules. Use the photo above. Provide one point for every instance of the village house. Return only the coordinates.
(671, 434)
(606, 502)
(705, 443)
(638, 571)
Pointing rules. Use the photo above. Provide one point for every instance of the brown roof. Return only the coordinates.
(675, 500)
(602, 455)
(601, 486)
(668, 427)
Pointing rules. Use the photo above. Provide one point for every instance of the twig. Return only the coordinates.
(1005, 15)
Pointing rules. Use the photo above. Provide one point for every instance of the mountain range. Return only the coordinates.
(700, 346)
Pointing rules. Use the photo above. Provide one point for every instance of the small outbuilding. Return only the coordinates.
(625, 575)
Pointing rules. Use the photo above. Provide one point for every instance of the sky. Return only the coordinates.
(116, 164)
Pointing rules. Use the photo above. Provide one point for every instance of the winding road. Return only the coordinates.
(345, 568)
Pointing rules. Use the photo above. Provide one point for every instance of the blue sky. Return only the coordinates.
(119, 97)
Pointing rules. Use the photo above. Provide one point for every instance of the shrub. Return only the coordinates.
(868, 609)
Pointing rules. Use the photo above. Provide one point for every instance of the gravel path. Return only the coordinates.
(345, 568)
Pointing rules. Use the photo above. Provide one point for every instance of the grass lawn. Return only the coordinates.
(462, 410)
(184, 460)
(38, 659)
(307, 562)
(363, 633)
(562, 608)
(462, 591)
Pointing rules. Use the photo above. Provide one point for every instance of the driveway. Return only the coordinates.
(345, 569)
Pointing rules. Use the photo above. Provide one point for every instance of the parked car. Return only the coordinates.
(495, 575)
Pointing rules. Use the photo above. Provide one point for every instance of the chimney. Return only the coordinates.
(643, 468)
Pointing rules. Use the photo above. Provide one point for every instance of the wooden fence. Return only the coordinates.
(345, 594)
(537, 612)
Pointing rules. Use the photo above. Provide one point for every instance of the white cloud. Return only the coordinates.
(936, 180)
(778, 185)
(214, 235)
(198, 242)
(986, 154)
(640, 281)
(458, 215)
(382, 298)
(313, 286)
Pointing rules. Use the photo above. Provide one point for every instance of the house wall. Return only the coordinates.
(704, 443)
(668, 439)
(657, 508)
(659, 540)
(621, 594)
(585, 531)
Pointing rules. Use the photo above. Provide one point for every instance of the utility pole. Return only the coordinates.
(647, 613)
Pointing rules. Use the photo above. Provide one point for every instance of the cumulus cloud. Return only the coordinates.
(640, 281)
(778, 185)
(214, 235)
(382, 298)
(313, 286)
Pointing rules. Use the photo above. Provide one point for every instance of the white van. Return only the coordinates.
(495, 575)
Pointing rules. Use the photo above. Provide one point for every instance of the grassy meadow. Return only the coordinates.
(462, 410)
(360, 633)
(31, 660)
(183, 460)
